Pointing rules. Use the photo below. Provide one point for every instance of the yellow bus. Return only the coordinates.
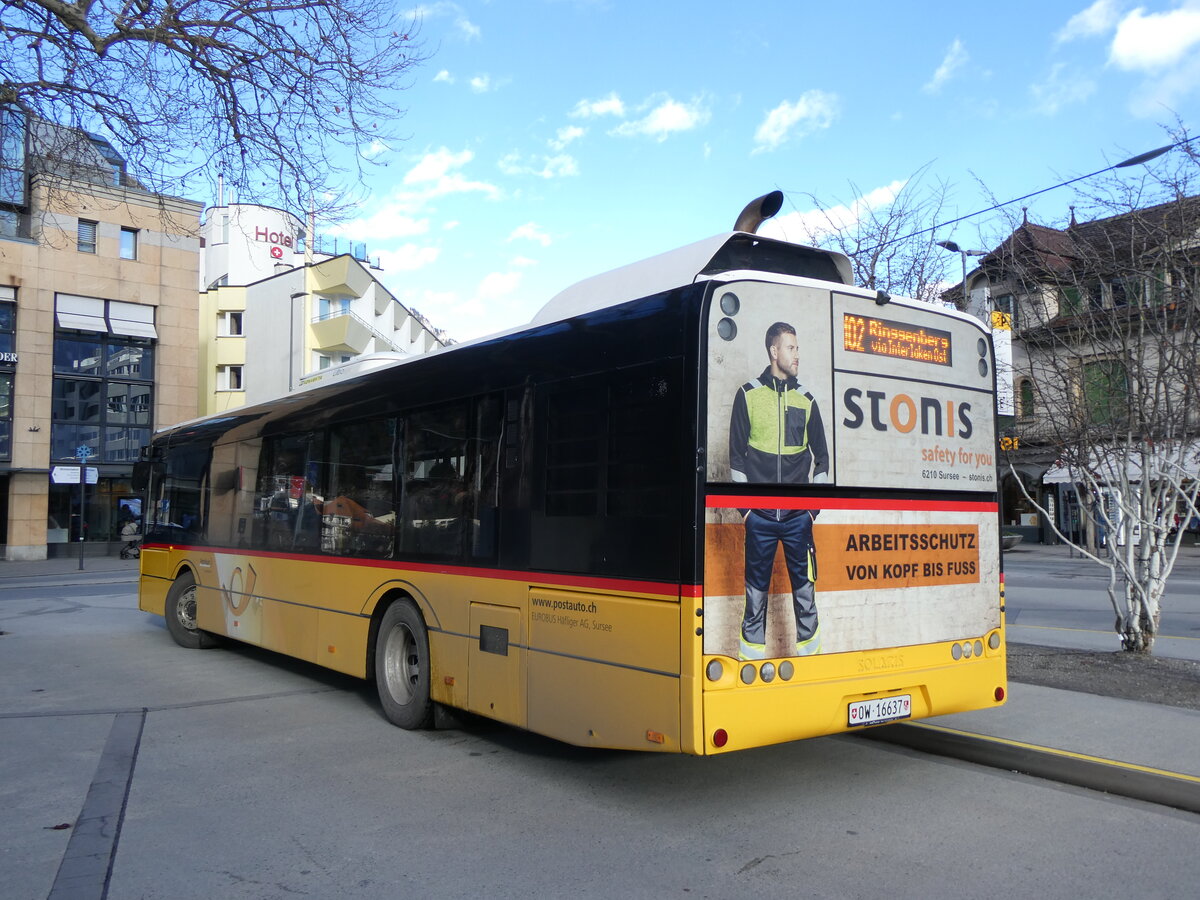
(713, 500)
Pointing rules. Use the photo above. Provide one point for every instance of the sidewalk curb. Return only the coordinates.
(1173, 789)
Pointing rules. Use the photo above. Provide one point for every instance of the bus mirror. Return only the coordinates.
(142, 471)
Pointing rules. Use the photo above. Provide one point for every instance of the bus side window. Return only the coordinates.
(611, 486)
(223, 501)
(287, 502)
(177, 514)
(358, 516)
(435, 485)
(484, 477)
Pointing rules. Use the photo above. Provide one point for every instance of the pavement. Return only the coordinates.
(1146, 751)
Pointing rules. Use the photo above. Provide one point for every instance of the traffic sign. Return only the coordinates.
(70, 474)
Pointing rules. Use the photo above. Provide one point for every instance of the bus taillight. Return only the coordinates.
(720, 738)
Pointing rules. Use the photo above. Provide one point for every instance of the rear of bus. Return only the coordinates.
(851, 549)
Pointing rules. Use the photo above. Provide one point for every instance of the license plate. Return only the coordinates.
(879, 709)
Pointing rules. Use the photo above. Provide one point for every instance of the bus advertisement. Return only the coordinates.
(717, 499)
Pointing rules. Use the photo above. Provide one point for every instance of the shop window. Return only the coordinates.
(102, 397)
(6, 411)
(78, 356)
(8, 322)
(1019, 512)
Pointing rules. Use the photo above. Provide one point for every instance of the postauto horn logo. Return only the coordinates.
(905, 413)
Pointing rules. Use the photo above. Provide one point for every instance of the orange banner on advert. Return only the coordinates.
(870, 557)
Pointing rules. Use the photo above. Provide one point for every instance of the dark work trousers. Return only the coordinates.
(763, 533)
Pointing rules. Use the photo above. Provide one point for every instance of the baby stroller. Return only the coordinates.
(133, 541)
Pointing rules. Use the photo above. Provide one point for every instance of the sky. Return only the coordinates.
(550, 140)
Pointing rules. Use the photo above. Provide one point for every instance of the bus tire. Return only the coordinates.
(180, 613)
(402, 667)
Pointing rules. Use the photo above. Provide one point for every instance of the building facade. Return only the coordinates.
(1104, 318)
(276, 306)
(98, 335)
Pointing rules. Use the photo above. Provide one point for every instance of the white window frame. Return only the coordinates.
(225, 323)
(230, 378)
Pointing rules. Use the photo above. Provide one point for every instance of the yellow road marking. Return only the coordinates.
(1065, 754)
(1157, 637)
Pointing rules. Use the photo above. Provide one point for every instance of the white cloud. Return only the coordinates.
(445, 76)
(1151, 42)
(543, 167)
(407, 258)
(1167, 90)
(814, 110)
(956, 57)
(466, 28)
(605, 106)
(374, 149)
(498, 284)
(811, 225)
(522, 262)
(565, 136)
(385, 225)
(1060, 88)
(481, 84)
(435, 175)
(668, 117)
(451, 225)
(530, 231)
(436, 165)
(1097, 19)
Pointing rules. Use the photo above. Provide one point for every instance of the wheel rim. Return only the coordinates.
(401, 664)
(185, 609)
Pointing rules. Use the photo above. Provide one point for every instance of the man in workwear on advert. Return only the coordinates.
(776, 437)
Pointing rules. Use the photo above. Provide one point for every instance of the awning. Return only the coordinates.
(1182, 460)
(81, 313)
(131, 319)
(104, 316)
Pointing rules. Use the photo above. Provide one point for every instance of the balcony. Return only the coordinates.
(341, 332)
(340, 275)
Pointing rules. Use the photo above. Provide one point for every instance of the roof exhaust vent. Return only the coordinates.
(758, 211)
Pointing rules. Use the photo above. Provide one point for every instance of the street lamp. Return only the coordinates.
(298, 295)
(963, 254)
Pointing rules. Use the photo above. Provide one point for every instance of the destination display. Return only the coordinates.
(883, 337)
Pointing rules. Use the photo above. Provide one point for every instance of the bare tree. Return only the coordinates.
(1107, 358)
(287, 99)
(887, 233)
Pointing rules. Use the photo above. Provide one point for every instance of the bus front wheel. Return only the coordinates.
(180, 613)
(402, 667)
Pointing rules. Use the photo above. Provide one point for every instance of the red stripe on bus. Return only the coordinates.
(578, 581)
(719, 501)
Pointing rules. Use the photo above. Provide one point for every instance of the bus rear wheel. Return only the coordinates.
(402, 667)
(180, 613)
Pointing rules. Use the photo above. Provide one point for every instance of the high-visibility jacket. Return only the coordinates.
(775, 433)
